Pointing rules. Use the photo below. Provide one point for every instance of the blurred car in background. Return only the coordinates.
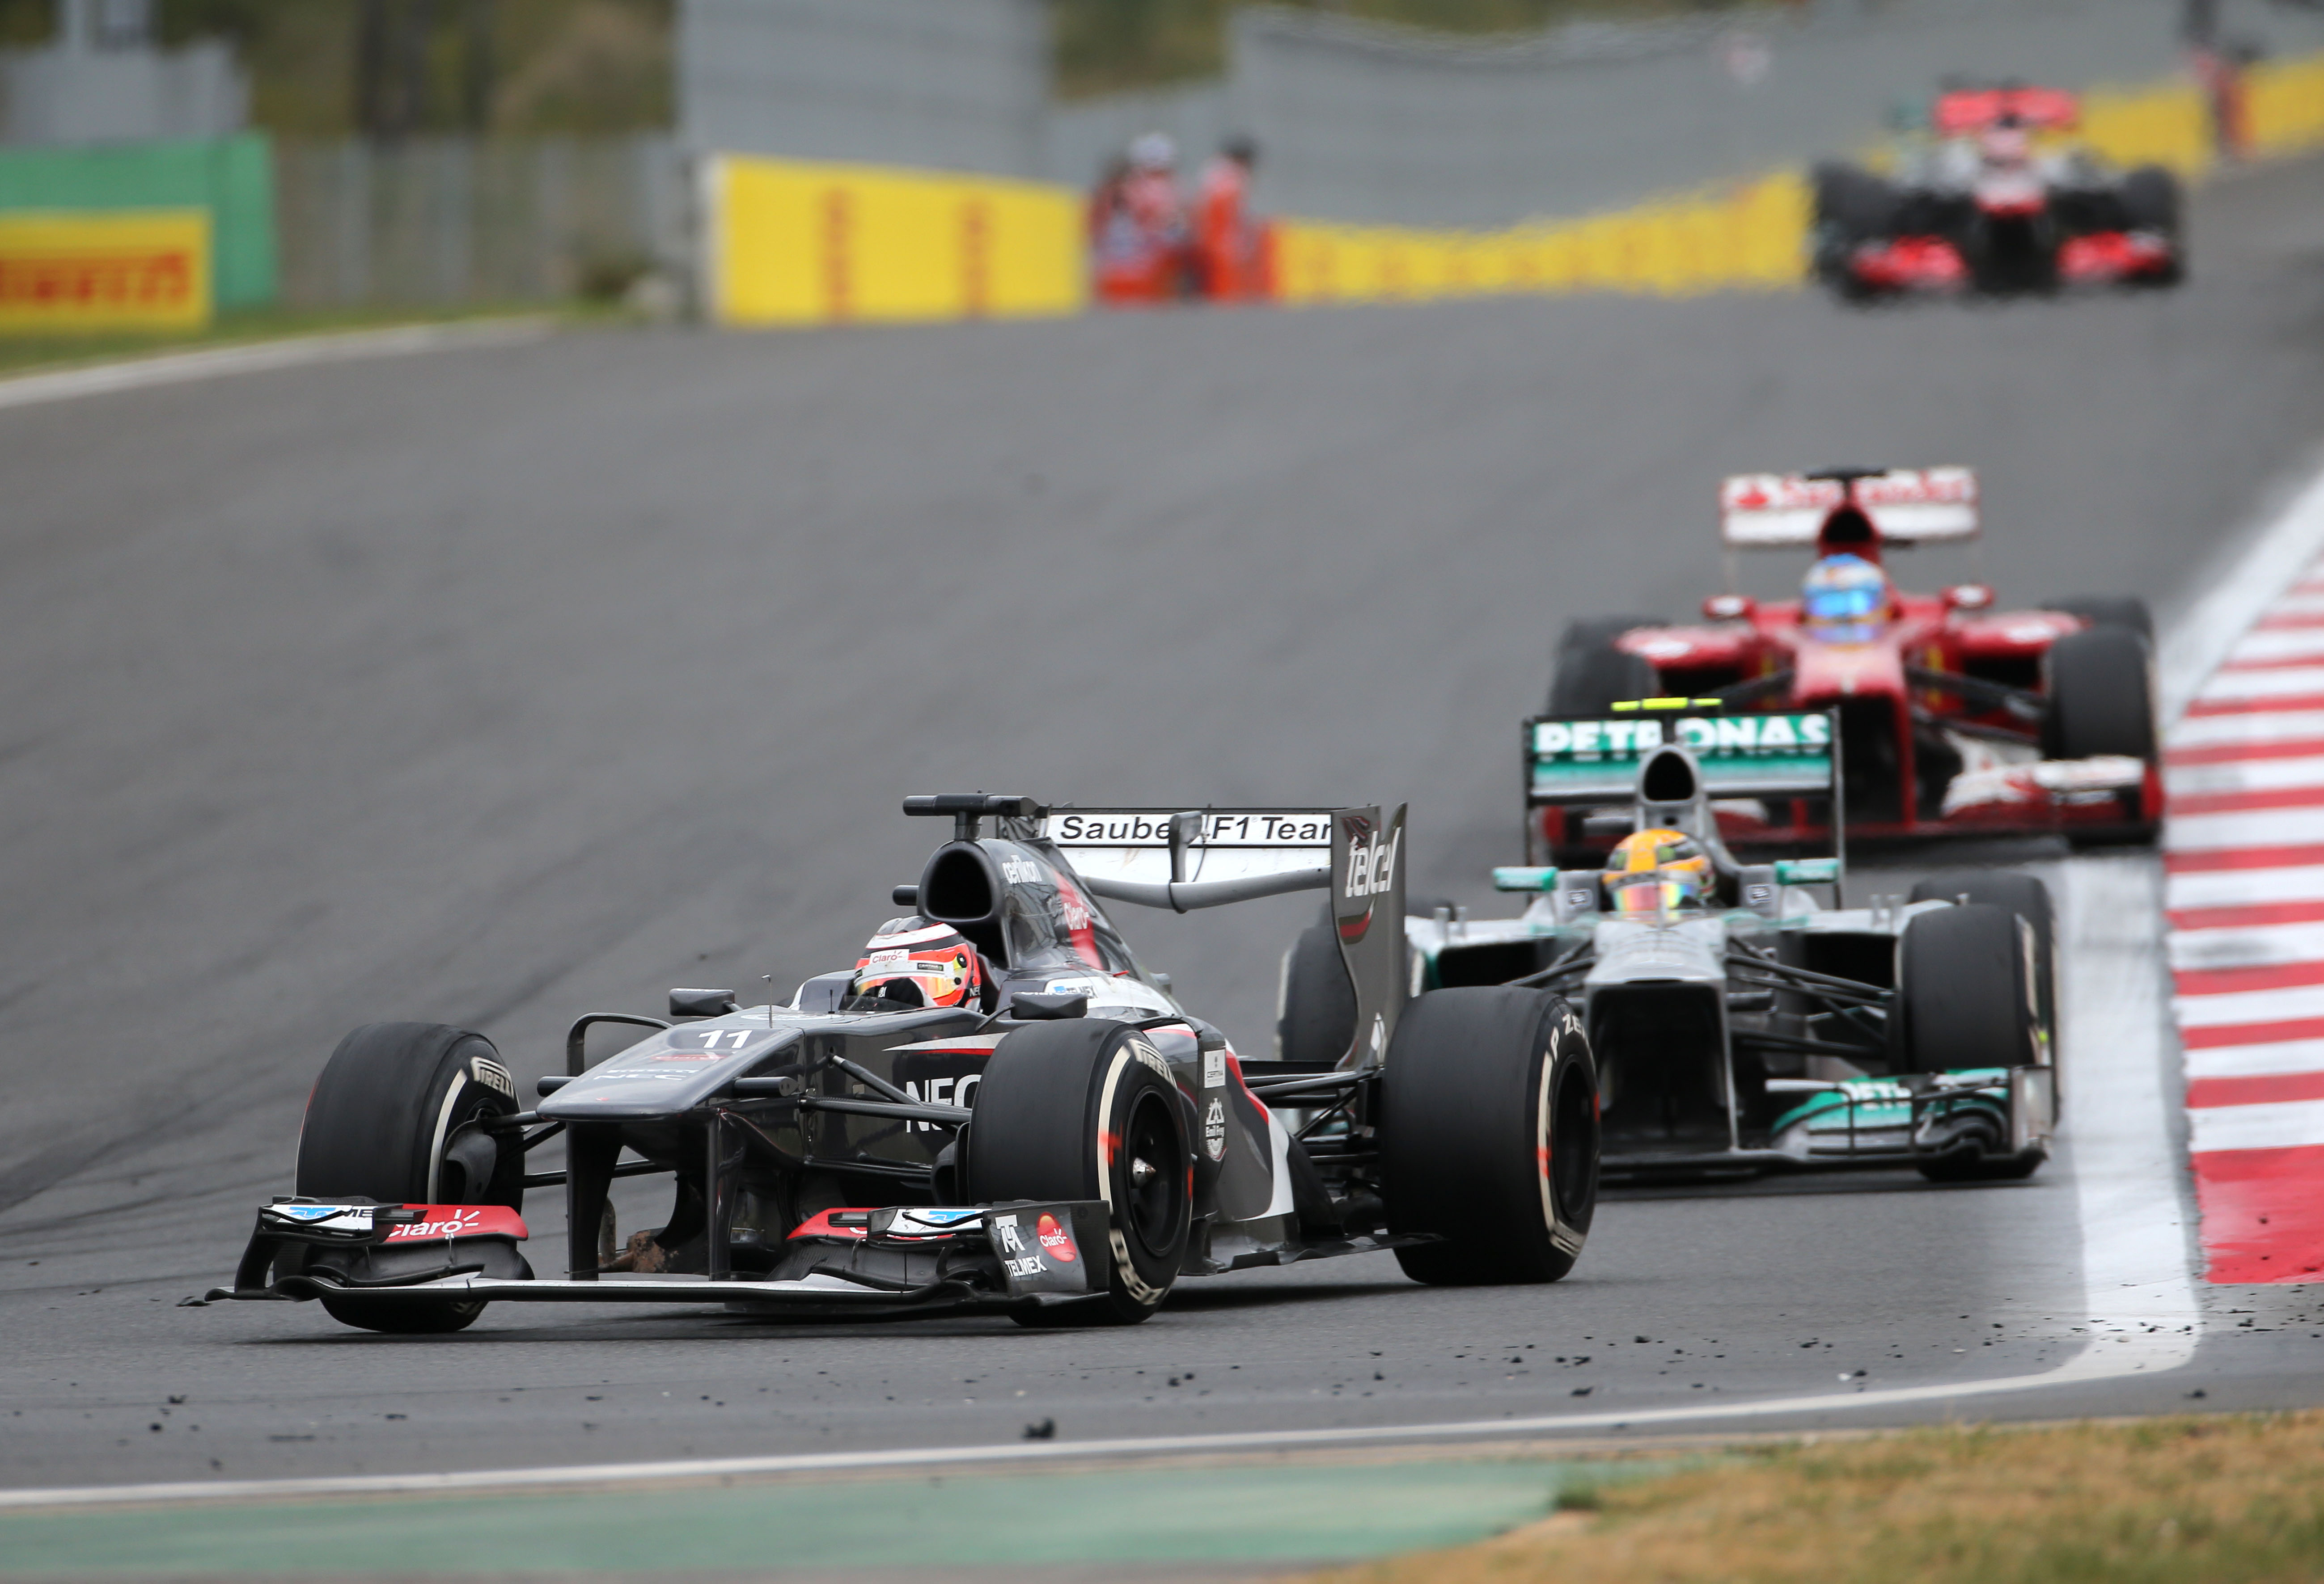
(1996, 201)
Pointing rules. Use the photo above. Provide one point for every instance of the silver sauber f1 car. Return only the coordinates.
(996, 1109)
(1957, 717)
(1742, 1025)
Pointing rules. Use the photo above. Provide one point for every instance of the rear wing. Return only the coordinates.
(1965, 111)
(1908, 506)
(1182, 858)
(1584, 759)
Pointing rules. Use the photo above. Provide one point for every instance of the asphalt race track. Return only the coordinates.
(491, 686)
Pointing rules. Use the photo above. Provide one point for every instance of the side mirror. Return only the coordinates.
(906, 897)
(1969, 596)
(1807, 872)
(1730, 607)
(701, 1003)
(1526, 878)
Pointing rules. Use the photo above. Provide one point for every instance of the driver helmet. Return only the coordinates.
(1153, 152)
(2006, 142)
(1657, 871)
(912, 962)
(1845, 589)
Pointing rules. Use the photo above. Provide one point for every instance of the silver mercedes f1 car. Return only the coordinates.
(1741, 1020)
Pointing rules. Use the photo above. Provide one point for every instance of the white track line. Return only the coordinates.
(2199, 640)
(2248, 774)
(2244, 887)
(176, 368)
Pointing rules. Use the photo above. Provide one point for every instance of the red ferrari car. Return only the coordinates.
(1953, 717)
(1987, 205)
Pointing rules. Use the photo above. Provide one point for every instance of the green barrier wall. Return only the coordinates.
(231, 177)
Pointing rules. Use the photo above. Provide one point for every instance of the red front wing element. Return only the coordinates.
(2109, 258)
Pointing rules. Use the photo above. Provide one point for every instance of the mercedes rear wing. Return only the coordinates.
(1591, 761)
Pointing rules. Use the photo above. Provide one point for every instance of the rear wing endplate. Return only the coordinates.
(1908, 506)
(1182, 858)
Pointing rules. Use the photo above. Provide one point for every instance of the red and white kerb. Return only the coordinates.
(2244, 860)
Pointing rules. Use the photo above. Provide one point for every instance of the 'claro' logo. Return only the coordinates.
(1055, 1240)
(1701, 733)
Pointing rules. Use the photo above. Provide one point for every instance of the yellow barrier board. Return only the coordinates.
(82, 270)
(1753, 238)
(803, 242)
(2168, 124)
(2283, 107)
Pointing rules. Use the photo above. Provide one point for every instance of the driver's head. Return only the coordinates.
(912, 962)
(1657, 871)
(1844, 589)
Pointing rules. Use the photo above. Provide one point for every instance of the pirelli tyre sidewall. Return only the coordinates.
(1490, 1136)
(392, 1119)
(1085, 1109)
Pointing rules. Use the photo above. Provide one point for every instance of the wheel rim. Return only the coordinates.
(1152, 1204)
(1572, 1147)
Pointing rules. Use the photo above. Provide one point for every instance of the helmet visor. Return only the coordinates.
(1654, 891)
(1843, 604)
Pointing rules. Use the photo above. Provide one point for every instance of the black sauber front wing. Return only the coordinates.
(903, 1261)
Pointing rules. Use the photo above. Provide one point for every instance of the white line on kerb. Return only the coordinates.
(176, 368)
(2273, 560)
(2137, 1266)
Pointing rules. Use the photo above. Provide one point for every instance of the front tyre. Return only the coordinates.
(1965, 999)
(391, 1120)
(1489, 1136)
(1085, 1109)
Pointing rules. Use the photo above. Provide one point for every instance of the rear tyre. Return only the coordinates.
(2109, 610)
(2151, 202)
(2102, 701)
(1591, 674)
(1852, 206)
(1964, 1001)
(1081, 1110)
(1315, 1013)
(1489, 1136)
(390, 1121)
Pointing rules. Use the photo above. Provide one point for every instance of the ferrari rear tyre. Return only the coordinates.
(1489, 1136)
(1963, 999)
(390, 1121)
(1591, 674)
(1315, 1012)
(2101, 701)
(2109, 610)
(1083, 1109)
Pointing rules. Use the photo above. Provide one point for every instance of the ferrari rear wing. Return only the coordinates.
(1907, 506)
